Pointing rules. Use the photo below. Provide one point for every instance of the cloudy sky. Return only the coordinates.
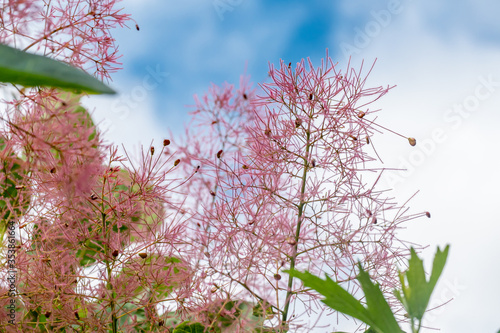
(444, 58)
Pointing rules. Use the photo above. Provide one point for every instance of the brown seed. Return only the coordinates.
(313, 163)
(289, 65)
(245, 96)
(53, 170)
(152, 150)
(143, 255)
(374, 220)
(310, 97)
(361, 114)
(214, 122)
(367, 140)
(115, 253)
(93, 196)
(245, 167)
(137, 27)
(291, 241)
(177, 162)
(47, 314)
(166, 142)
(353, 137)
(219, 153)
(161, 322)
(412, 141)
(267, 132)
(77, 315)
(298, 122)
(277, 277)
(212, 193)
(428, 214)
(251, 222)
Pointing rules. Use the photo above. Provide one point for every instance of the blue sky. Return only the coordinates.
(444, 58)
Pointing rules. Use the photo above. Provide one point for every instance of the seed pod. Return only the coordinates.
(137, 27)
(166, 142)
(53, 170)
(428, 214)
(361, 114)
(367, 140)
(47, 314)
(251, 222)
(245, 96)
(152, 150)
(77, 315)
(161, 322)
(267, 132)
(313, 163)
(353, 137)
(212, 193)
(219, 153)
(290, 240)
(289, 65)
(374, 220)
(197, 168)
(143, 255)
(369, 213)
(310, 97)
(177, 162)
(93, 196)
(298, 122)
(214, 122)
(277, 277)
(244, 167)
(412, 141)
(115, 253)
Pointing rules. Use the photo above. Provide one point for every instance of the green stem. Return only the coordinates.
(114, 319)
(297, 232)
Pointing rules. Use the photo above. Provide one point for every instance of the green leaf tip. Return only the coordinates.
(29, 70)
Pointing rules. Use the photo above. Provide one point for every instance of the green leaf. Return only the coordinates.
(30, 70)
(377, 314)
(416, 289)
(336, 297)
(379, 310)
(187, 327)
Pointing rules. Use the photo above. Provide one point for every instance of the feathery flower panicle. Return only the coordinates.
(282, 185)
(73, 31)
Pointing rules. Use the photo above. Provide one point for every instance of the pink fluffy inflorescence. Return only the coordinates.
(77, 32)
(282, 182)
